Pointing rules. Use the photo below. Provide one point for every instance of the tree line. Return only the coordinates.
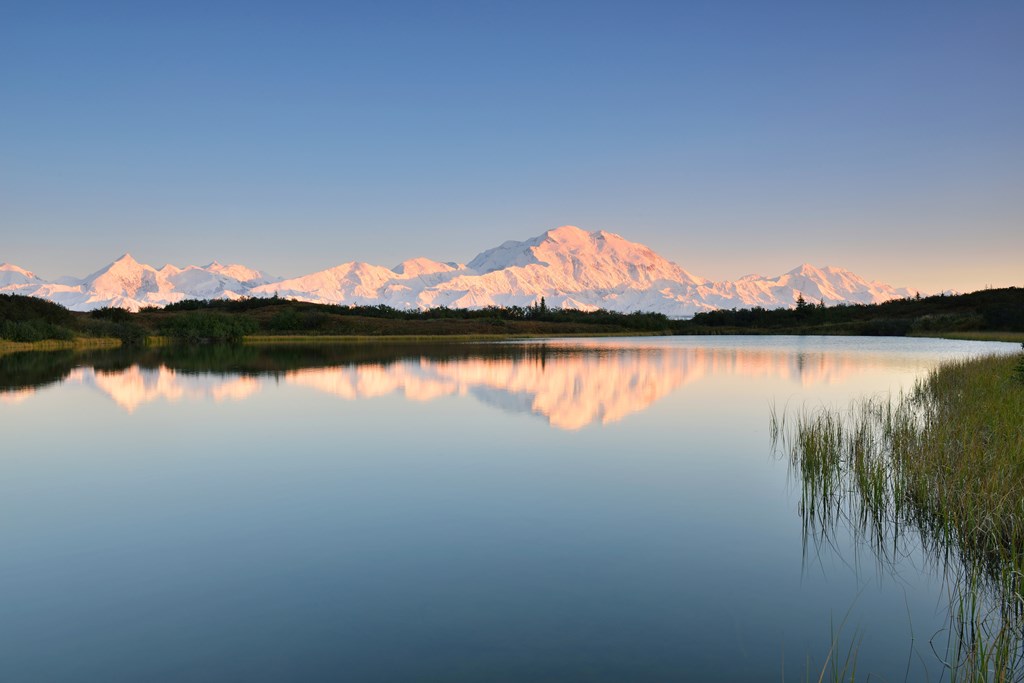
(195, 320)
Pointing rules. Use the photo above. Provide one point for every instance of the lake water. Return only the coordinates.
(560, 510)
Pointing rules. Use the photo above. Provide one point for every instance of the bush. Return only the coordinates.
(203, 326)
(118, 315)
(293, 320)
(948, 322)
(885, 327)
(33, 330)
(130, 333)
(187, 305)
(18, 308)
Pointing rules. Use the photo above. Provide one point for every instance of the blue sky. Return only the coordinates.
(732, 137)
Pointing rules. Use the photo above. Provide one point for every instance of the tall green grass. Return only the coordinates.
(943, 463)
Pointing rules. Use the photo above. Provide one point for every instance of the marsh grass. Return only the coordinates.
(975, 335)
(943, 463)
(78, 343)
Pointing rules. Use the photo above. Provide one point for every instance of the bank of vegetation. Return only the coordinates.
(992, 312)
(997, 313)
(941, 466)
(27, 319)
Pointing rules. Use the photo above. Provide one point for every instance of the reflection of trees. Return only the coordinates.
(571, 384)
(39, 368)
(27, 370)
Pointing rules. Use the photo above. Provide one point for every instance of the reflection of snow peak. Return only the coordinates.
(572, 385)
(16, 395)
(135, 386)
(571, 391)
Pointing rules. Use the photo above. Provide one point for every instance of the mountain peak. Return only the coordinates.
(11, 268)
(16, 276)
(806, 269)
(120, 267)
(237, 271)
(568, 233)
(421, 266)
(125, 263)
(570, 259)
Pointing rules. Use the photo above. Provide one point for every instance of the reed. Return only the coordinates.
(946, 462)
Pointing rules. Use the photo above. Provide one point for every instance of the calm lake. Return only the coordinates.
(559, 510)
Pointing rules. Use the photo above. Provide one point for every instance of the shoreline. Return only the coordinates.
(101, 343)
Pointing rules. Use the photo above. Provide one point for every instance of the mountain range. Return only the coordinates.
(568, 266)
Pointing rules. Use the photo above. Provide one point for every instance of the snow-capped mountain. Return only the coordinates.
(11, 276)
(568, 266)
(589, 260)
(126, 283)
(830, 285)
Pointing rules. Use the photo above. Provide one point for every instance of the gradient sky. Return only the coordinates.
(731, 137)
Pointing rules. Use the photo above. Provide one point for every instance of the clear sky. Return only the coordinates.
(732, 137)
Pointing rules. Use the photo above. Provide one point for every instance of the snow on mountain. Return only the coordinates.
(568, 266)
(126, 280)
(12, 277)
(418, 267)
(350, 283)
(126, 283)
(830, 285)
(836, 285)
(215, 281)
(578, 260)
(239, 273)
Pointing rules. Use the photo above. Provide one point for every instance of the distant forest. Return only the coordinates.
(987, 310)
(28, 319)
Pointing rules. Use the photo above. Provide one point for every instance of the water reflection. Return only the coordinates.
(135, 386)
(571, 390)
(12, 396)
(571, 384)
(383, 510)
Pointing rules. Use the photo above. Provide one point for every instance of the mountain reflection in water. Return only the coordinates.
(570, 383)
(381, 510)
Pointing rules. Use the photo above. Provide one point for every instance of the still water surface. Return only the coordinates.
(564, 510)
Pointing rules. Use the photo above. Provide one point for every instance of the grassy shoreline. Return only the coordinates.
(1015, 337)
(76, 344)
(97, 343)
(943, 466)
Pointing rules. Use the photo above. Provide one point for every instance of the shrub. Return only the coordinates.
(118, 315)
(33, 330)
(203, 326)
